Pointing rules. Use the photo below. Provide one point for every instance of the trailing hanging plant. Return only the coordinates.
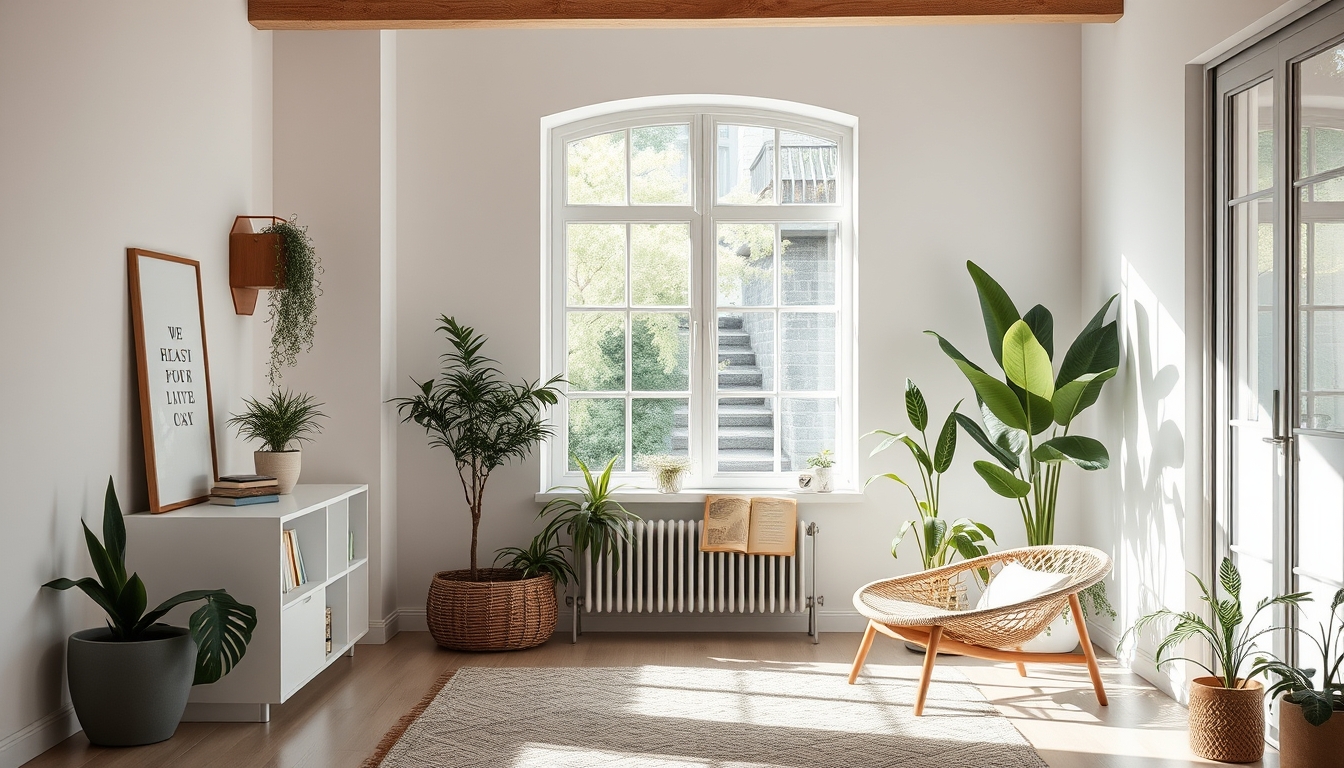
(293, 308)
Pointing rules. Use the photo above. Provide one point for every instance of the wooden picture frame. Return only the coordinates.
(173, 370)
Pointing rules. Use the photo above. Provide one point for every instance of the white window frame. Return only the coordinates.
(703, 114)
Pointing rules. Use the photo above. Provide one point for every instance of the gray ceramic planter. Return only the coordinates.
(126, 694)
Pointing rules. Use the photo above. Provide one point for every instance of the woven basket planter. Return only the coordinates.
(1303, 745)
(1227, 724)
(500, 612)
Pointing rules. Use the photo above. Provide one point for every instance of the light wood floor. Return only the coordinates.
(337, 720)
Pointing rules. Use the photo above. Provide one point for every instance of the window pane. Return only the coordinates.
(746, 265)
(597, 432)
(746, 351)
(660, 351)
(661, 426)
(746, 434)
(596, 351)
(807, 347)
(660, 165)
(746, 165)
(806, 426)
(596, 168)
(1253, 139)
(595, 265)
(1321, 84)
(660, 265)
(807, 264)
(808, 168)
(1254, 284)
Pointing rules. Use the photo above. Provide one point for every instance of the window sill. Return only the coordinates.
(652, 496)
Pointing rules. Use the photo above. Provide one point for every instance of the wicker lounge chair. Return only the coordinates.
(928, 609)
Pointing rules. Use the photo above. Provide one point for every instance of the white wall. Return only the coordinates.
(969, 148)
(126, 124)
(1142, 235)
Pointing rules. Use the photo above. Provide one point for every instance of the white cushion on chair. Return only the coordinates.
(1018, 584)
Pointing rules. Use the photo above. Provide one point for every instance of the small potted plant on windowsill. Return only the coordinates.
(285, 419)
(129, 681)
(668, 471)
(1311, 728)
(1227, 716)
(822, 462)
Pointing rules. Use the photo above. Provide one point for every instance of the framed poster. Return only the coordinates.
(176, 416)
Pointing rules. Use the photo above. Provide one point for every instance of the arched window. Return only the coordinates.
(699, 267)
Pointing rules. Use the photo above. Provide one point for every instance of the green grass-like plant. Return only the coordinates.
(281, 420)
(482, 419)
(596, 522)
(222, 627)
(1232, 635)
(293, 309)
(545, 555)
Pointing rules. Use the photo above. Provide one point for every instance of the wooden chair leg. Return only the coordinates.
(1021, 669)
(1091, 655)
(864, 646)
(930, 656)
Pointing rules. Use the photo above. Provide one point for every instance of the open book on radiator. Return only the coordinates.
(755, 526)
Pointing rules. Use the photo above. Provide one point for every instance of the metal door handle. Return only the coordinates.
(1278, 438)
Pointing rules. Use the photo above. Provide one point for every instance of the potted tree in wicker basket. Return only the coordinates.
(1227, 714)
(485, 421)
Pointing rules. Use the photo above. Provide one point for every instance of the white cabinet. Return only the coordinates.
(239, 549)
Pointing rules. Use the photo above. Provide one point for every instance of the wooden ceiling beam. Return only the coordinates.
(443, 14)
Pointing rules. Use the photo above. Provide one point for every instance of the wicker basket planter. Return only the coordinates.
(1227, 724)
(501, 612)
(1303, 745)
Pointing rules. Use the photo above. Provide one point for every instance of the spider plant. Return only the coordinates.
(1317, 702)
(596, 522)
(482, 419)
(938, 543)
(222, 627)
(545, 555)
(1232, 635)
(283, 419)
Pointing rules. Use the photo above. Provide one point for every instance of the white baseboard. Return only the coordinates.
(382, 630)
(1141, 663)
(18, 748)
(413, 620)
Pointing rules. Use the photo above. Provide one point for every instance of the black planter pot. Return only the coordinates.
(127, 694)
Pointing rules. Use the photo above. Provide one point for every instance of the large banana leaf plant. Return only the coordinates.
(1027, 414)
(222, 627)
(938, 541)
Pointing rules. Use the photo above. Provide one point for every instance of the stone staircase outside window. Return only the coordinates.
(746, 428)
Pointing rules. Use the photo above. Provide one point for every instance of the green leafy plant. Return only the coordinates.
(596, 522)
(1318, 702)
(1232, 635)
(938, 543)
(821, 460)
(545, 555)
(222, 627)
(482, 419)
(1028, 413)
(666, 470)
(283, 419)
(293, 309)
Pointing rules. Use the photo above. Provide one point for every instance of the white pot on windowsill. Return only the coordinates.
(822, 479)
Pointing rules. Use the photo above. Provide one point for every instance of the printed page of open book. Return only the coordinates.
(774, 526)
(727, 519)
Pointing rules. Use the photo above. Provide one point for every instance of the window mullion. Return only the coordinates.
(705, 396)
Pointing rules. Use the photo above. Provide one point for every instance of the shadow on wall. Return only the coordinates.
(1150, 562)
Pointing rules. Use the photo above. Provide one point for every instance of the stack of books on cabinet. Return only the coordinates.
(311, 591)
(245, 490)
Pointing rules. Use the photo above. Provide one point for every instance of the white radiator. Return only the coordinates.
(662, 570)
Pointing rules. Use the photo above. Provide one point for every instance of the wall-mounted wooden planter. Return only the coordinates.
(252, 263)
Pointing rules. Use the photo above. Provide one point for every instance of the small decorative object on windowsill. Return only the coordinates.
(822, 462)
(667, 471)
(129, 681)
(805, 484)
(1227, 715)
(1311, 715)
(283, 419)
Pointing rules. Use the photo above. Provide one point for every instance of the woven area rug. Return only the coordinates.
(802, 716)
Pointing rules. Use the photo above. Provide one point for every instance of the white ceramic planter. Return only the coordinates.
(284, 466)
(823, 479)
(669, 482)
(1060, 637)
